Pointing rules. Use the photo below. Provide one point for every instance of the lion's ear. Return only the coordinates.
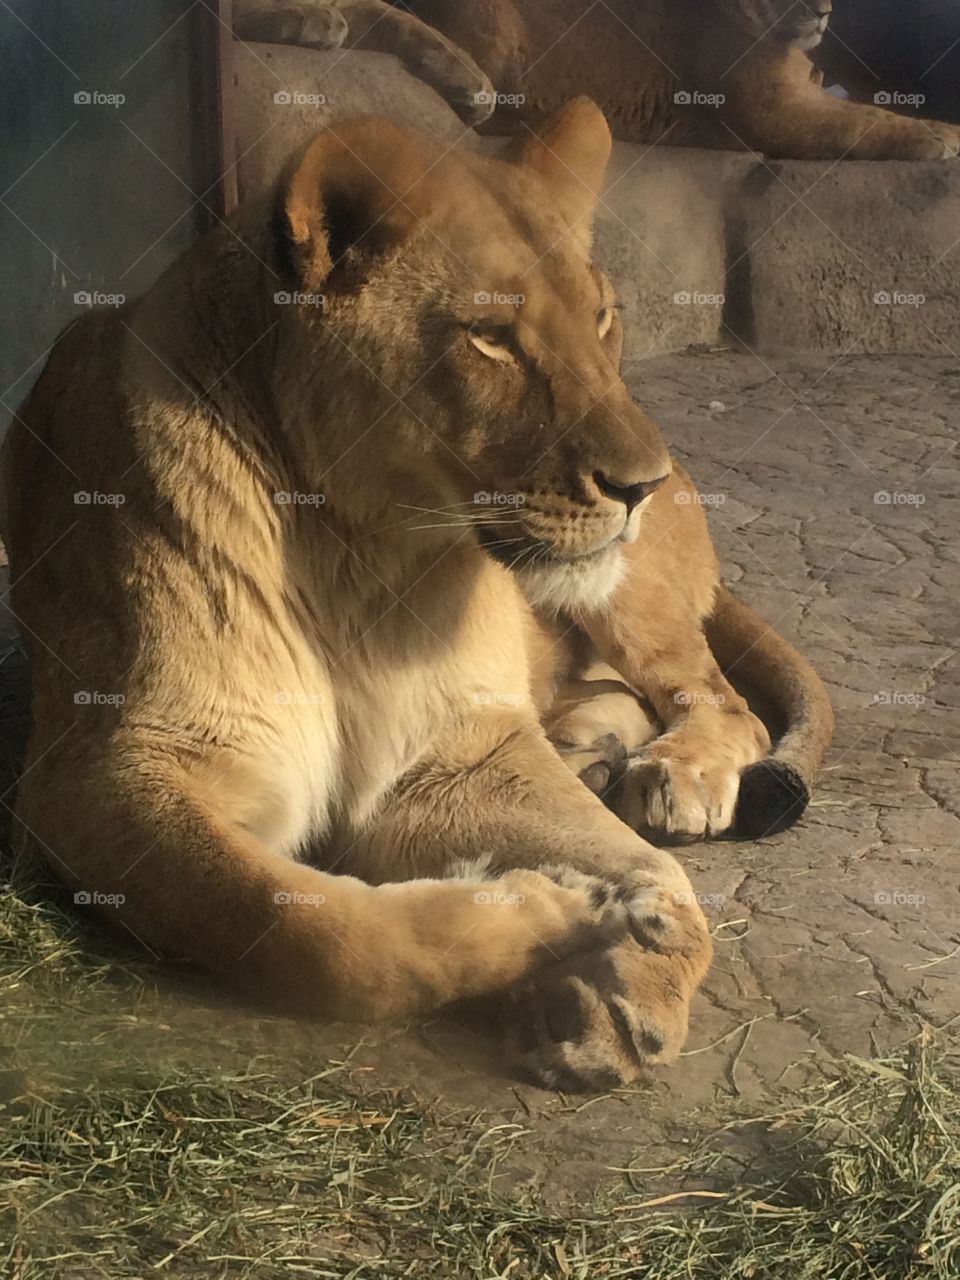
(570, 150)
(351, 197)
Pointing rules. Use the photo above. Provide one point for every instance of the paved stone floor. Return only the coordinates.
(833, 499)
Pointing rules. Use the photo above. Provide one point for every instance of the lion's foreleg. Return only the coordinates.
(139, 839)
(773, 105)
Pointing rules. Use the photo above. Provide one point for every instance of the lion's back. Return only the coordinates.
(56, 429)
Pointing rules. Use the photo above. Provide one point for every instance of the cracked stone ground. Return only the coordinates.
(839, 935)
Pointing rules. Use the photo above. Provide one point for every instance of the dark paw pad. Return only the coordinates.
(647, 1043)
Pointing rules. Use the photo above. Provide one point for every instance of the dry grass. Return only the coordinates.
(131, 1148)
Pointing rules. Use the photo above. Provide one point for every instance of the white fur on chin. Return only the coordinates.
(573, 586)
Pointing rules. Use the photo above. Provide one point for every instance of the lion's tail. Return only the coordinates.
(775, 791)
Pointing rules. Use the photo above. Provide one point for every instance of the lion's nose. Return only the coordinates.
(631, 495)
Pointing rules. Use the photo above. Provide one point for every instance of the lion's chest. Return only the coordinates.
(363, 702)
(422, 672)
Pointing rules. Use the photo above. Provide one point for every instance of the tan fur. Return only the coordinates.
(633, 57)
(375, 27)
(650, 668)
(299, 741)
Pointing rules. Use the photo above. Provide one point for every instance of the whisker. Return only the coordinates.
(530, 549)
(469, 502)
(481, 513)
(457, 520)
(450, 519)
(504, 542)
(446, 524)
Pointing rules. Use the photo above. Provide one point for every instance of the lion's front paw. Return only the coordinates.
(597, 1020)
(458, 79)
(925, 140)
(310, 26)
(323, 28)
(941, 143)
(475, 102)
(598, 1025)
(685, 801)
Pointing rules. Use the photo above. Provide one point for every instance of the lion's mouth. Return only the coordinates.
(525, 551)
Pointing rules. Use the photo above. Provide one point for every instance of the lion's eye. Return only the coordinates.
(492, 344)
(604, 321)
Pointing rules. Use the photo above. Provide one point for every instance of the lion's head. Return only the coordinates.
(464, 313)
(799, 23)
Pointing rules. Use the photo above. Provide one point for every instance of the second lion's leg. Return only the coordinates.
(379, 28)
(376, 27)
(774, 106)
(310, 24)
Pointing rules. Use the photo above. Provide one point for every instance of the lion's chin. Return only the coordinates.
(572, 586)
(807, 43)
(806, 36)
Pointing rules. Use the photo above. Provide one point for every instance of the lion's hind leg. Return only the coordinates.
(596, 722)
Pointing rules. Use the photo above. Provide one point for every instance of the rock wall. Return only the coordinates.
(706, 247)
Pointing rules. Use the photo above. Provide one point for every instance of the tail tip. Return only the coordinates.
(773, 796)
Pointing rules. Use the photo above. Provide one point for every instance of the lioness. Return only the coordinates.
(287, 678)
(730, 74)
